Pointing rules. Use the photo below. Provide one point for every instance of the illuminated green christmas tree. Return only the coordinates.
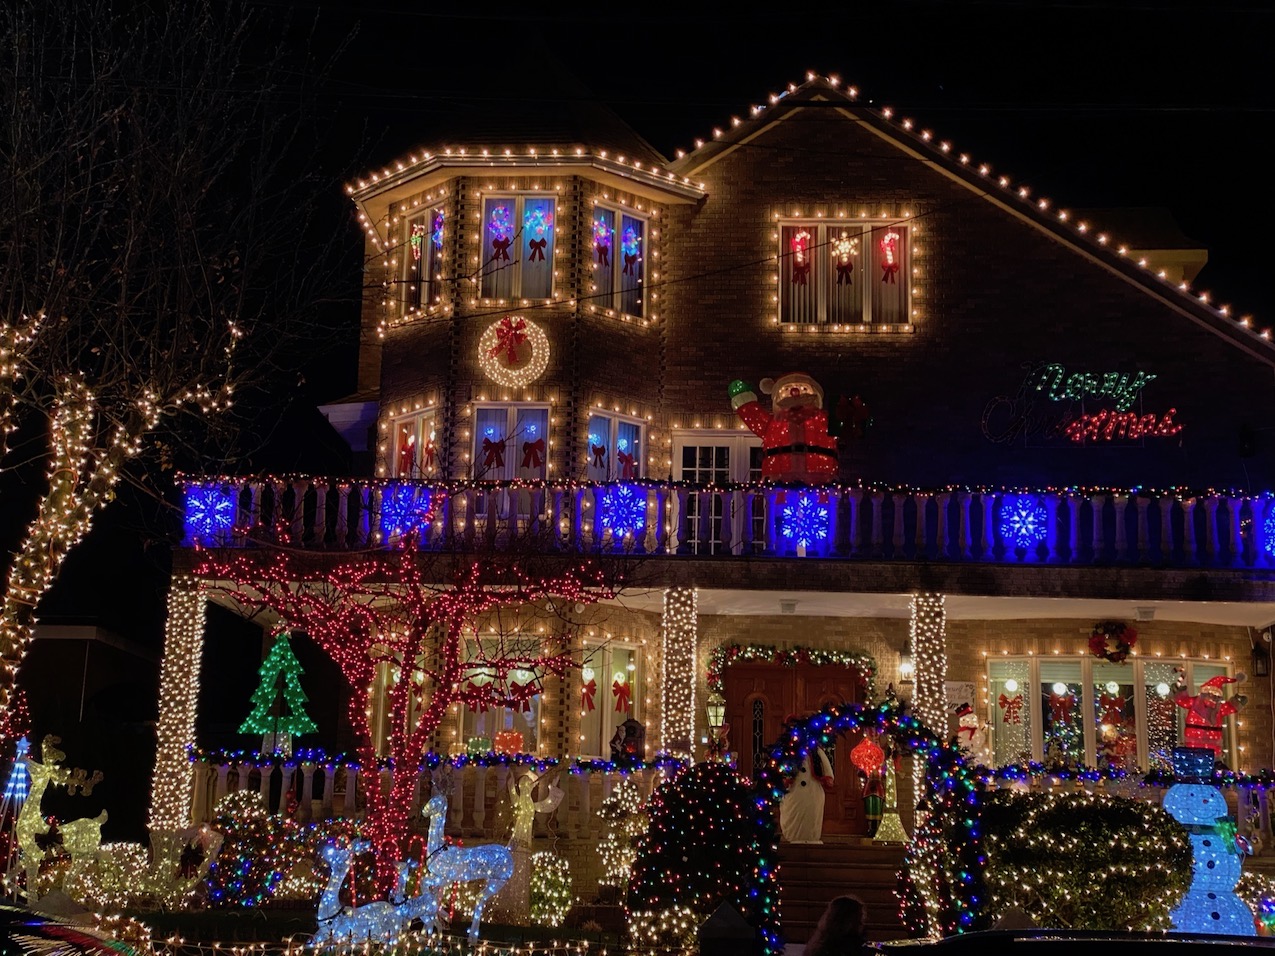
(278, 711)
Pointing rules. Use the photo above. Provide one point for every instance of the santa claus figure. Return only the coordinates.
(796, 444)
(1206, 711)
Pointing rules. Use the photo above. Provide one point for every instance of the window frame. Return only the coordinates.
(614, 420)
(614, 304)
(865, 230)
(420, 418)
(604, 715)
(485, 259)
(741, 443)
(1138, 664)
(512, 460)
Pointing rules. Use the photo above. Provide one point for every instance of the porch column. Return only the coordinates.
(929, 652)
(677, 688)
(171, 787)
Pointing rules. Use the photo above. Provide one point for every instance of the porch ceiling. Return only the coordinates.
(750, 603)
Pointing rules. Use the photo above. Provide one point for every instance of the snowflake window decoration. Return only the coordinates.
(804, 521)
(1023, 522)
(1268, 535)
(624, 511)
(405, 508)
(210, 512)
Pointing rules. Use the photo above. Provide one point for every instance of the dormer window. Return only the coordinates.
(844, 273)
(422, 260)
(619, 261)
(517, 246)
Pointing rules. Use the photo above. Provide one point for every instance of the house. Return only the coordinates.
(1046, 499)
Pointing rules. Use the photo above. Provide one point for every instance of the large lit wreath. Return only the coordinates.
(513, 352)
(1112, 640)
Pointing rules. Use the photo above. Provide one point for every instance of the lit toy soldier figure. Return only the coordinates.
(1206, 711)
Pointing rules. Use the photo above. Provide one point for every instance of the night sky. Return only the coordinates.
(1090, 104)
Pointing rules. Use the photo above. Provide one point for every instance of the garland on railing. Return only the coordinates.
(724, 655)
(1015, 773)
(430, 761)
(577, 484)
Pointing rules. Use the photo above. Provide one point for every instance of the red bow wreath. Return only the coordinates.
(622, 691)
(628, 467)
(533, 453)
(510, 334)
(1013, 707)
(493, 453)
(1112, 640)
(587, 691)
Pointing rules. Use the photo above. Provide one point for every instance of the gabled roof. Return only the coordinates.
(1084, 235)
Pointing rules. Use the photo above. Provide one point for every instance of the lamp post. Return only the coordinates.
(717, 726)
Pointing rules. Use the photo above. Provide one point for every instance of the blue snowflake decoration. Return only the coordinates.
(1268, 535)
(1023, 522)
(624, 511)
(405, 508)
(804, 521)
(210, 512)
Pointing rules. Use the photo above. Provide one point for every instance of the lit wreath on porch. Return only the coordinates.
(513, 352)
(1112, 640)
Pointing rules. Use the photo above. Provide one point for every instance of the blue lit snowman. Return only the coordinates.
(1210, 904)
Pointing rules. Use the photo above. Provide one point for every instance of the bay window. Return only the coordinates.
(518, 246)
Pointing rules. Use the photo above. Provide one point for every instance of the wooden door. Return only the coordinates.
(760, 697)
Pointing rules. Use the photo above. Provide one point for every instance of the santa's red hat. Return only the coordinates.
(1214, 684)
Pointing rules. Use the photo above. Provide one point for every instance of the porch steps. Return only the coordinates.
(812, 874)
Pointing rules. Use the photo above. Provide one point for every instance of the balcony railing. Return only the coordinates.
(674, 518)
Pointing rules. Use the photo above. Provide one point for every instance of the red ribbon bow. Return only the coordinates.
(509, 335)
(628, 467)
(493, 453)
(843, 273)
(599, 453)
(537, 247)
(628, 264)
(479, 698)
(533, 453)
(521, 694)
(622, 693)
(500, 250)
(1013, 709)
(1112, 709)
(586, 695)
(1060, 707)
(604, 253)
(800, 273)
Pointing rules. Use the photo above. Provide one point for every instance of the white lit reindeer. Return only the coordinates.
(491, 863)
(380, 920)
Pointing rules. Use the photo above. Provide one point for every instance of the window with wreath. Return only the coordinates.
(415, 446)
(618, 260)
(844, 273)
(1118, 716)
(422, 260)
(614, 450)
(611, 688)
(517, 246)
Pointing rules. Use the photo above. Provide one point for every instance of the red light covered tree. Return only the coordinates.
(436, 619)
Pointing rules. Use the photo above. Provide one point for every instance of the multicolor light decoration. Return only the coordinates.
(630, 245)
(210, 513)
(1024, 523)
(890, 264)
(172, 784)
(941, 884)
(18, 785)
(677, 686)
(416, 241)
(801, 261)
(805, 520)
(406, 508)
(623, 821)
(278, 729)
(624, 511)
(503, 357)
(436, 235)
(711, 839)
(500, 227)
(603, 236)
(724, 655)
(1211, 904)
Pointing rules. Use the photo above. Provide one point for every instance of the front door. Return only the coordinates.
(760, 697)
